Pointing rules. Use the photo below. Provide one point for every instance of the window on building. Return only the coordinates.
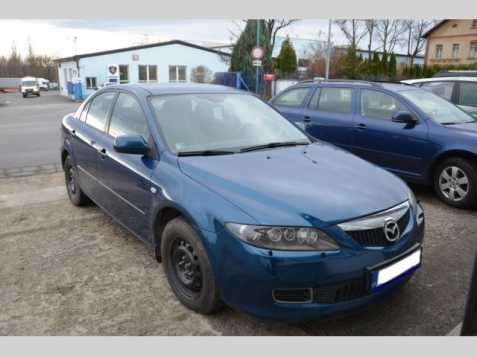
(128, 118)
(473, 49)
(439, 50)
(292, 97)
(379, 105)
(123, 73)
(334, 100)
(147, 73)
(99, 109)
(442, 89)
(468, 94)
(177, 73)
(91, 83)
(474, 23)
(455, 50)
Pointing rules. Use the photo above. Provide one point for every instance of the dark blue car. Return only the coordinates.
(409, 131)
(241, 206)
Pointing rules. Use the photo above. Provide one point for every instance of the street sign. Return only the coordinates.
(257, 63)
(257, 53)
(269, 76)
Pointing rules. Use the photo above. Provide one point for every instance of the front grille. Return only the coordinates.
(293, 295)
(375, 237)
(349, 290)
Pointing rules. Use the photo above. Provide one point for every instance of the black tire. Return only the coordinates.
(76, 195)
(444, 175)
(38, 94)
(24, 95)
(187, 267)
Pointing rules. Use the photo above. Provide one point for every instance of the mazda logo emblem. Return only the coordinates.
(391, 230)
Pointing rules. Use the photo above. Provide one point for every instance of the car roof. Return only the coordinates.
(175, 88)
(391, 86)
(440, 79)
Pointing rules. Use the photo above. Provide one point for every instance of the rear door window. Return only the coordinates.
(99, 109)
(378, 105)
(468, 94)
(442, 89)
(332, 100)
(292, 97)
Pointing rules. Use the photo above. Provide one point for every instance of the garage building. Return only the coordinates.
(172, 61)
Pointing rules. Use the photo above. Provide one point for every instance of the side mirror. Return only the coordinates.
(405, 118)
(131, 144)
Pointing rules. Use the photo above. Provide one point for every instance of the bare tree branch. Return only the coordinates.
(414, 41)
(274, 26)
(353, 29)
(389, 33)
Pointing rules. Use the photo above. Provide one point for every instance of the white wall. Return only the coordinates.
(71, 71)
(162, 56)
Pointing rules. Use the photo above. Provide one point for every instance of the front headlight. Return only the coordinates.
(416, 208)
(283, 238)
(412, 201)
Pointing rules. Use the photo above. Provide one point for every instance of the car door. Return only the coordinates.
(329, 115)
(91, 126)
(290, 104)
(398, 147)
(126, 176)
(467, 97)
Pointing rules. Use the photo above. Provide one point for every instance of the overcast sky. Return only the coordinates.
(56, 37)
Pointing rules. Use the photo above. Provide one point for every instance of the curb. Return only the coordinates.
(30, 170)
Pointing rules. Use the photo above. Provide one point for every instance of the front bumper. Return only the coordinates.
(247, 276)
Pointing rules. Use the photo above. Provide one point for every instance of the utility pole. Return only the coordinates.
(257, 68)
(328, 51)
(74, 44)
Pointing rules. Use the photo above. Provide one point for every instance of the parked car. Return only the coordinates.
(28, 86)
(411, 132)
(240, 205)
(44, 84)
(462, 91)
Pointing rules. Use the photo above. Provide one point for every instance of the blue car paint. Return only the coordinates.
(317, 185)
(410, 152)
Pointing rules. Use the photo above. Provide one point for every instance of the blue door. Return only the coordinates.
(290, 104)
(329, 115)
(126, 176)
(399, 147)
(84, 142)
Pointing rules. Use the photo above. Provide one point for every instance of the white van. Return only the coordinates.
(44, 83)
(30, 85)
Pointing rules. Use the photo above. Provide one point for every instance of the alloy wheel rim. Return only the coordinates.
(71, 180)
(186, 266)
(454, 183)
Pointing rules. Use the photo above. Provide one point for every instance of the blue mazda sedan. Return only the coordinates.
(242, 207)
(409, 131)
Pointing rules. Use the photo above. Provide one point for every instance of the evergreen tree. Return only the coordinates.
(241, 60)
(352, 63)
(392, 66)
(384, 65)
(287, 61)
(376, 66)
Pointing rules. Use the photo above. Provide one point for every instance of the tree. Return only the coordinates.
(370, 29)
(241, 60)
(352, 64)
(286, 61)
(354, 31)
(201, 74)
(414, 40)
(392, 66)
(389, 33)
(384, 65)
(273, 27)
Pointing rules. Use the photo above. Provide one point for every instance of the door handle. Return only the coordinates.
(307, 119)
(361, 126)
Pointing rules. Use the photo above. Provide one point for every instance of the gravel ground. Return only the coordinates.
(72, 271)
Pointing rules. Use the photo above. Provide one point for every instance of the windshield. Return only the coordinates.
(29, 83)
(436, 107)
(220, 121)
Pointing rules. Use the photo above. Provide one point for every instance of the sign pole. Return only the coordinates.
(257, 68)
(328, 51)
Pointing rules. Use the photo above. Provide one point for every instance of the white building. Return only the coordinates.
(171, 61)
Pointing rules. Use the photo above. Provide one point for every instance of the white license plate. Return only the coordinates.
(385, 275)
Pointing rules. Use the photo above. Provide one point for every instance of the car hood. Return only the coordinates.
(464, 128)
(317, 184)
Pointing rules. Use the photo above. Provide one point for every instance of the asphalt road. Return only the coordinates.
(73, 271)
(30, 128)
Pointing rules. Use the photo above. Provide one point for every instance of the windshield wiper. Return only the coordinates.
(274, 145)
(205, 153)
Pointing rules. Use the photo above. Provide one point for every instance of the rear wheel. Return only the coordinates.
(188, 268)
(455, 181)
(76, 195)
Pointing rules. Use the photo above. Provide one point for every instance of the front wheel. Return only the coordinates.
(455, 181)
(187, 267)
